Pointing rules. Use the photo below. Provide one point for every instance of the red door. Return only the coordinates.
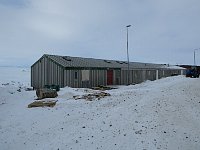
(109, 77)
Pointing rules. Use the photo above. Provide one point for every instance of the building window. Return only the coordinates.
(76, 75)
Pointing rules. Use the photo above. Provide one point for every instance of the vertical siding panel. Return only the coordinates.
(131, 76)
(122, 79)
(36, 76)
(50, 70)
(80, 79)
(62, 77)
(105, 77)
(96, 79)
(90, 77)
(100, 77)
(114, 77)
(92, 83)
(65, 77)
(53, 73)
(31, 76)
(43, 73)
(59, 83)
(47, 73)
(38, 72)
(69, 79)
(93, 78)
(56, 74)
(97, 76)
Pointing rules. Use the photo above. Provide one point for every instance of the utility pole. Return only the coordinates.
(128, 55)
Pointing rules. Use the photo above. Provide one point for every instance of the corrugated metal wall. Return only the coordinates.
(96, 77)
(168, 72)
(70, 80)
(141, 75)
(47, 72)
(137, 76)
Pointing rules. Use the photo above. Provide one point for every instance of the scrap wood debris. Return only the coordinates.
(103, 88)
(90, 97)
(43, 103)
(46, 93)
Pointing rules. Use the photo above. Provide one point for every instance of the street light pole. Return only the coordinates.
(128, 55)
(194, 59)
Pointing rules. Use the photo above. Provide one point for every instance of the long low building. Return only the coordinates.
(89, 72)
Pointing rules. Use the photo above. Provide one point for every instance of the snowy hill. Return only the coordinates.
(162, 114)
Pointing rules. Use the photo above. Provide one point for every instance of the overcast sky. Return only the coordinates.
(162, 31)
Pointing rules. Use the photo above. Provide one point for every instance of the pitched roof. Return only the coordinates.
(72, 62)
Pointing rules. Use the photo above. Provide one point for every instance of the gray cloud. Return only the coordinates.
(161, 32)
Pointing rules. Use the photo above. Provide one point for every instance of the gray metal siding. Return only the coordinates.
(46, 72)
(98, 77)
(138, 76)
(151, 75)
(117, 77)
(168, 72)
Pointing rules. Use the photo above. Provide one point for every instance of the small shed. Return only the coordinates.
(89, 72)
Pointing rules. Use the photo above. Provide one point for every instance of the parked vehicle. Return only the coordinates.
(192, 73)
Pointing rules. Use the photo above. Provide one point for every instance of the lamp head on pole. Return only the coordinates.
(128, 26)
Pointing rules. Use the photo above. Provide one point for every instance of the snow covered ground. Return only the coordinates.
(162, 114)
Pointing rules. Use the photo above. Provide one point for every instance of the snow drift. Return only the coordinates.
(161, 114)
